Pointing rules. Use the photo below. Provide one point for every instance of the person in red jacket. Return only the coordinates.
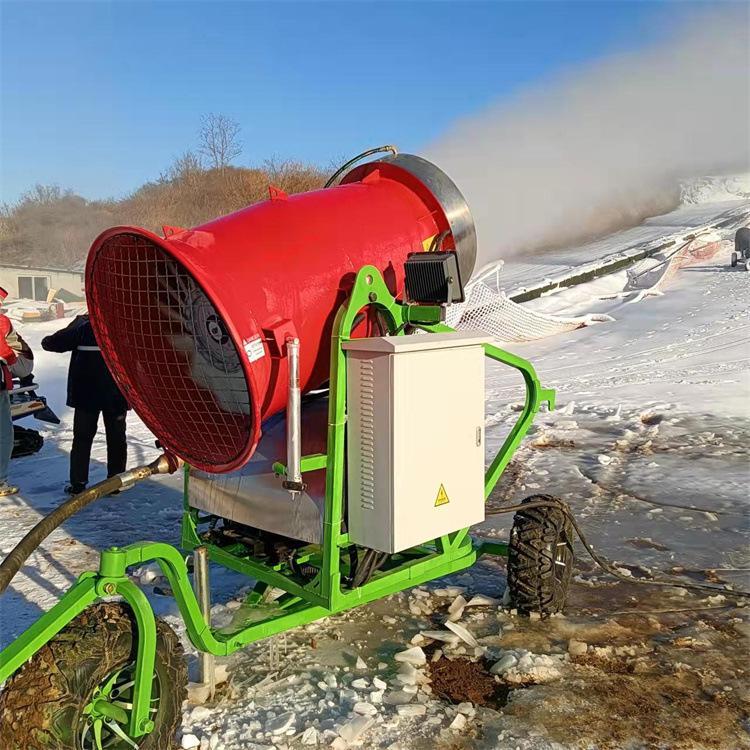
(7, 358)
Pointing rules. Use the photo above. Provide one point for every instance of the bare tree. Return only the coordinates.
(188, 167)
(219, 140)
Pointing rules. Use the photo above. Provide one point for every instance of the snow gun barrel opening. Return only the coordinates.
(170, 350)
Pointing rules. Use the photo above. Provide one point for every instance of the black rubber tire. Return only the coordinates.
(26, 442)
(41, 705)
(733, 261)
(540, 558)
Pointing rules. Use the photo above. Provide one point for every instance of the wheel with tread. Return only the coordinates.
(733, 262)
(47, 704)
(747, 265)
(540, 557)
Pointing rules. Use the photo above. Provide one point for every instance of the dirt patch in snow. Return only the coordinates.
(661, 710)
(463, 680)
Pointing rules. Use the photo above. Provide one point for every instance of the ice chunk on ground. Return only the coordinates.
(462, 633)
(413, 709)
(466, 708)
(480, 600)
(450, 591)
(533, 668)
(458, 723)
(458, 603)
(407, 674)
(351, 731)
(577, 648)
(414, 656)
(506, 662)
(309, 736)
(198, 693)
(365, 709)
(199, 714)
(398, 698)
(331, 681)
(221, 673)
(281, 723)
(441, 635)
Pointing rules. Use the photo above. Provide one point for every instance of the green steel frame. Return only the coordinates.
(304, 601)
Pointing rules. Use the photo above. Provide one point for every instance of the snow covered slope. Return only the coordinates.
(716, 189)
(523, 271)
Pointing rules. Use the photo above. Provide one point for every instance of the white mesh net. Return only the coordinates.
(488, 309)
(646, 279)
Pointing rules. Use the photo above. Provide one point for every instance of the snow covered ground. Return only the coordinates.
(649, 447)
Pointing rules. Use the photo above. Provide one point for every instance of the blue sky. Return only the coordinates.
(101, 96)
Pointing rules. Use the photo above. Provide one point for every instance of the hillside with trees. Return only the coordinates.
(50, 226)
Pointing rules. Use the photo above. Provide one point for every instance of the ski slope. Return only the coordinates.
(521, 272)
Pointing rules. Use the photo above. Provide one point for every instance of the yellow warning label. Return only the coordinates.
(442, 497)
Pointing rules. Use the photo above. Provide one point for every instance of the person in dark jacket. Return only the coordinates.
(91, 391)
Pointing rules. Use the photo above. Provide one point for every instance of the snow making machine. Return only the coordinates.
(329, 455)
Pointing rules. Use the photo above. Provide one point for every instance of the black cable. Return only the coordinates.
(364, 570)
(603, 563)
(380, 149)
(372, 561)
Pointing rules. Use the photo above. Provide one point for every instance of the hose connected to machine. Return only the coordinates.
(602, 562)
(165, 464)
(370, 152)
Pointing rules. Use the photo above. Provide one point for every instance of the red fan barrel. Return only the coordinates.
(193, 324)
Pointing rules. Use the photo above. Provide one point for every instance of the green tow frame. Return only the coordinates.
(304, 600)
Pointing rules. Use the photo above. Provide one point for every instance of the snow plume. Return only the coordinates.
(606, 146)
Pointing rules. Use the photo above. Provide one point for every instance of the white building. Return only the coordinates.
(22, 282)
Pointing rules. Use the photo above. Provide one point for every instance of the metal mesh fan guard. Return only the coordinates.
(171, 352)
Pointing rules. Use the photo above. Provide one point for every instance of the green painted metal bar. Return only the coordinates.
(174, 568)
(145, 663)
(263, 573)
(313, 462)
(382, 585)
(257, 594)
(105, 708)
(81, 595)
(491, 547)
(535, 396)
(369, 290)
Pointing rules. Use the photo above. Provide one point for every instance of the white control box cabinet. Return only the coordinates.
(415, 437)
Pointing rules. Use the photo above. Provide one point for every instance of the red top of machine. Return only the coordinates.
(193, 324)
